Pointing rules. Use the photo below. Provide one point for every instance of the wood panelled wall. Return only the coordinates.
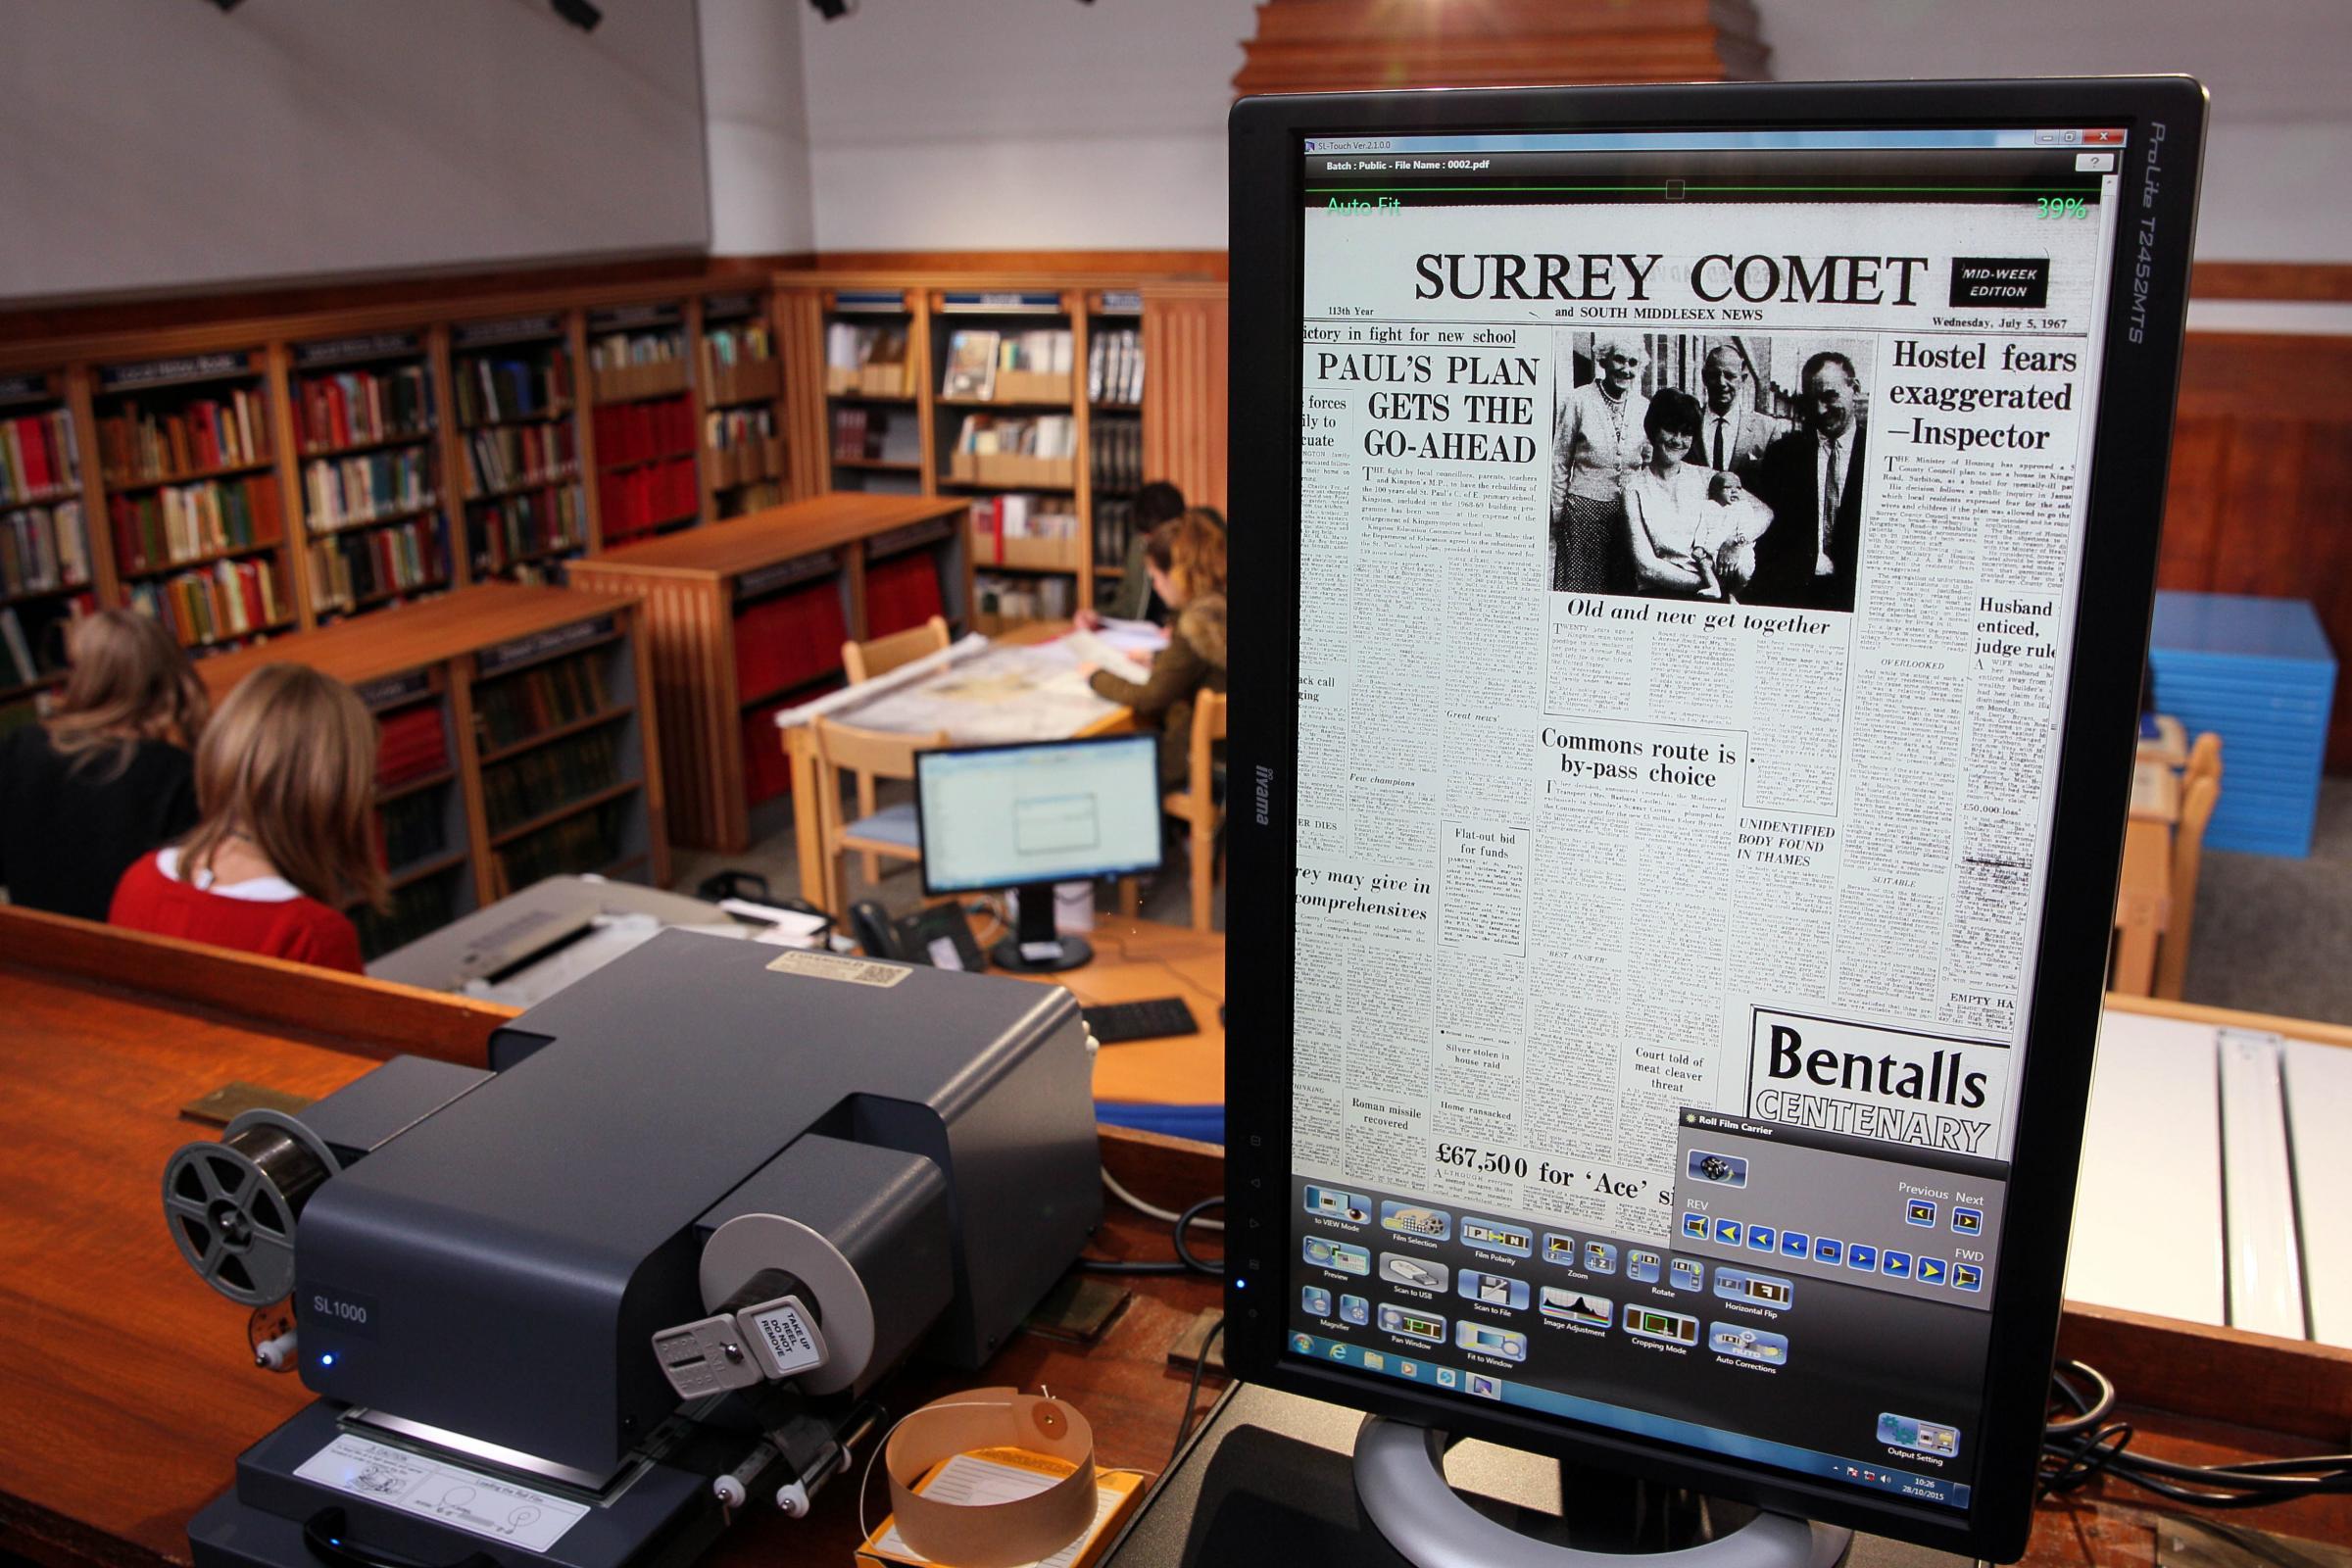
(2261, 494)
(1184, 396)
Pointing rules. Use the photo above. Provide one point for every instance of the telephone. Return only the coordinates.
(938, 936)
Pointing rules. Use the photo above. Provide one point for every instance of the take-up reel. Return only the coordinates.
(233, 1204)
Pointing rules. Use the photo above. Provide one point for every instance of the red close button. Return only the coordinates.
(2102, 138)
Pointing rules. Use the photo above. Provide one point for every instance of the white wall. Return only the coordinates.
(1011, 125)
(159, 143)
(754, 103)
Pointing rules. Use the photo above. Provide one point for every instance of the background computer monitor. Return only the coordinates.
(1029, 816)
(1666, 947)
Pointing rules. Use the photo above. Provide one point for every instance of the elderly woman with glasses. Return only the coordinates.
(1597, 441)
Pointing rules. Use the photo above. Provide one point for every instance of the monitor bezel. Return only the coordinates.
(2138, 388)
(922, 826)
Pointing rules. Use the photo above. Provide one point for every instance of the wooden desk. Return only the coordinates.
(799, 752)
(695, 584)
(1138, 959)
(2144, 899)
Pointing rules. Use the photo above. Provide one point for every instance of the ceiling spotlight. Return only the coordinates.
(579, 13)
(834, 9)
(229, 5)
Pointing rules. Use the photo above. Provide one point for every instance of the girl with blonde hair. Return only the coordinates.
(285, 776)
(107, 776)
(1186, 558)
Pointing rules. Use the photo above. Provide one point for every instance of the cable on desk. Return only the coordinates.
(2080, 1447)
(1186, 1261)
(1192, 1392)
(1165, 1215)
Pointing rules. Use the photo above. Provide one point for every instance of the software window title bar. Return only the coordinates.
(1714, 140)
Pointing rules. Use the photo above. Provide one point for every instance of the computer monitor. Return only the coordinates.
(1029, 816)
(1668, 923)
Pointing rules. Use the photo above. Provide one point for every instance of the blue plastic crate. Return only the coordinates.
(2259, 674)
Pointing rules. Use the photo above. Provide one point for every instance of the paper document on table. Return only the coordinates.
(1133, 636)
(970, 645)
(1103, 652)
(999, 695)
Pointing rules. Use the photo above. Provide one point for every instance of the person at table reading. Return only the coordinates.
(1155, 504)
(108, 775)
(284, 775)
(1185, 561)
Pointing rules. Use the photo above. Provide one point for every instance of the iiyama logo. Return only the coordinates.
(1264, 792)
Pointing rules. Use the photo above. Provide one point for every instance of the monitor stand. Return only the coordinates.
(1400, 1482)
(1035, 946)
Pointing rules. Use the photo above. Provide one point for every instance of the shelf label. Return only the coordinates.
(508, 330)
(24, 389)
(1122, 302)
(784, 573)
(888, 299)
(396, 688)
(542, 644)
(1040, 303)
(186, 367)
(729, 307)
(620, 318)
(897, 541)
(347, 350)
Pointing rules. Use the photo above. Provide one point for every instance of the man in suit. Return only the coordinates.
(1732, 431)
(1812, 480)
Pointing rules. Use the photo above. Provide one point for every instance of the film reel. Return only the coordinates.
(232, 1206)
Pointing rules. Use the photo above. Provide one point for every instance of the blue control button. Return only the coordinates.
(1354, 1309)
(1828, 1249)
(1967, 1221)
(1695, 1227)
(1316, 1301)
(1727, 1232)
(1600, 1258)
(1795, 1243)
(1761, 1238)
(1862, 1255)
(1920, 1211)
(1688, 1275)
(1894, 1265)
(1931, 1270)
(1641, 1267)
(1967, 1277)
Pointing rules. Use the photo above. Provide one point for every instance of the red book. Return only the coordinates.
(33, 439)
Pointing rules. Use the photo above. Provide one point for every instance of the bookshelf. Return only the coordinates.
(187, 468)
(641, 384)
(875, 366)
(745, 466)
(1115, 400)
(366, 459)
(749, 618)
(512, 724)
(47, 570)
(518, 446)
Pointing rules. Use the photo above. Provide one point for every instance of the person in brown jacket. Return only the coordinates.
(1186, 557)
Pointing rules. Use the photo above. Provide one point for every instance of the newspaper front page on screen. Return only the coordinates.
(1573, 855)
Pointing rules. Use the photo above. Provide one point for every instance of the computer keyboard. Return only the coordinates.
(1115, 1022)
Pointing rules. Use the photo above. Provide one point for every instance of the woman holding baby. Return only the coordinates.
(1689, 530)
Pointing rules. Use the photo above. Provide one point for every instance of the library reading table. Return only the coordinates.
(126, 1389)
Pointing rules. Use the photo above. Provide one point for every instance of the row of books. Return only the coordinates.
(229, 599)
(347, 407)
(44, 549)
(411, 829)
(738, 343)
(513, 710)
(1115, 453)
(1043, 435)
(345, 492)
(975, 355)
(554, 775)
(750, 498)
(588, 842)
(615, 349)
(1114, 366)
(856, 346)
(900, 592)
(862, 432)
(642, 499)
(353, 569)
(1019, 515)
(492, 389)
(514, 528)
(32, 644)
(1115, 529)
(790, 640)
(37, 455)
(727, 429)
(411, 743)
(202, 433)
(636, 432)
(418, 910)
(508, 456)
(184, 522)
(1047, 598)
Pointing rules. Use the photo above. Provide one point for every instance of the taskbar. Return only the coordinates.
(1529, 1396)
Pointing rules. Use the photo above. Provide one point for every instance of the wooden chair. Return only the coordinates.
(2204, 760)
(2189, 852)
(895, 832)
(879, 656)
(1196, 801)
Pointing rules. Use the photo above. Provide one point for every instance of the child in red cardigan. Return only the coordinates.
(284, 777)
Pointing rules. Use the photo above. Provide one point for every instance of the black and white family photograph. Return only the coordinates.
(1707, 465)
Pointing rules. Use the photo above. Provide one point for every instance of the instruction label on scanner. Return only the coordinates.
(788, 1342)
(394, 1478)
(833, 966)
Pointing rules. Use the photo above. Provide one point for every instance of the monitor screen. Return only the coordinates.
(1704, 639)
(1002, 816)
